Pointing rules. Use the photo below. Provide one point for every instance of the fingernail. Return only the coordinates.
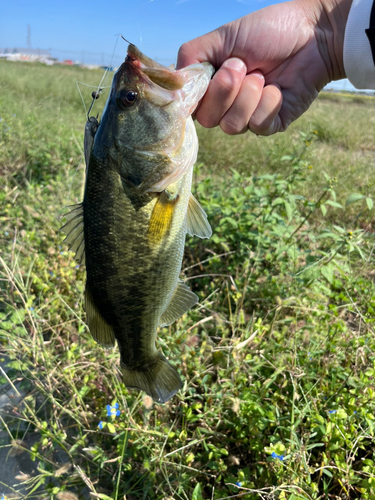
(236, 64)
(258, 74)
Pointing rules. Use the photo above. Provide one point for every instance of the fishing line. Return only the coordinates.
(140, 36)
(80, 146)
(95, 95)
(98, 88)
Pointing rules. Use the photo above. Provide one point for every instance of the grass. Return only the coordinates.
(278, 358)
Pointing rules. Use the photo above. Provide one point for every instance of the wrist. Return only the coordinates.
(329, 18)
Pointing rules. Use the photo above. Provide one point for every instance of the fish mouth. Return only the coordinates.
(137, 58)
(160, 75)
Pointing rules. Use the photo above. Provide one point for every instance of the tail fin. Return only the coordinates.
(161, 381)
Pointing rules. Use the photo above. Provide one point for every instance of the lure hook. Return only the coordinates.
(127, 41)
(95, 95)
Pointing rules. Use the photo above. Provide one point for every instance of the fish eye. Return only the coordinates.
(126, 98)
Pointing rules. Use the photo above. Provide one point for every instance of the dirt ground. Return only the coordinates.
(15, 463)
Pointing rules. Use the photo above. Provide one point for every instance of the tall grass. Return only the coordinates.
(277, 358)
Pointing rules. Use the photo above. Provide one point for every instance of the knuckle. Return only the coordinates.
(184, 52)
(265, 120)
(206, 120)
(263, 127)
(184, 49)
(255, 86)
(231, 126)
(227, 81)
(274, 97)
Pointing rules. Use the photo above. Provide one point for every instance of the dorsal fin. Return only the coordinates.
(73, 228)
(100, 330)
(91, 127)
(183, 299)
(197, 223)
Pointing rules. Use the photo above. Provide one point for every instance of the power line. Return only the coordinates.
(79, 52)
(101, 54)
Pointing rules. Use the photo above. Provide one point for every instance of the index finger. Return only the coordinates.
(202, 49)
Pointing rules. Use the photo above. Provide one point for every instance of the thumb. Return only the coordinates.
(205, 48)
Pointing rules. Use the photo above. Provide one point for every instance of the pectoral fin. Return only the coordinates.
(183, 299)
(73, 229)
(100, 330)
(197, 223)
(161, 218)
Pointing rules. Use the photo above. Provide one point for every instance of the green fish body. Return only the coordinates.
(130, 228)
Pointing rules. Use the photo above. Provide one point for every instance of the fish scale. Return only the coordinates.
(136, 211)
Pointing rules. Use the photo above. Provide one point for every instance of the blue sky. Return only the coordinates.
(85, 30)
(79, 27)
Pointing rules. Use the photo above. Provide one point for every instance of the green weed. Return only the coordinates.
(277, 359)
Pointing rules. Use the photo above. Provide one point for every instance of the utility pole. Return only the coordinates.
(28, 37)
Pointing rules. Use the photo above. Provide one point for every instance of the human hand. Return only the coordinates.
(270, 64)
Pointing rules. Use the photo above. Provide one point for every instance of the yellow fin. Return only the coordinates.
(183, 299)
(100, 330)
(161, 218)
(197, 223)
(73, 229)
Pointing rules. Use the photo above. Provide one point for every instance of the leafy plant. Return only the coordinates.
(278, 357)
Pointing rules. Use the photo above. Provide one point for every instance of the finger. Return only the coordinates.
(204, 48)
(236, 119)
(264, 119)
(186, 55)
(221, 92)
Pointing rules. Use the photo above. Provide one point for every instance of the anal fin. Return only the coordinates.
(197, 223)
(100, 330)
(183, 299)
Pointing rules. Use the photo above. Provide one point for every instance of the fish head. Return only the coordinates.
(147, 113)
(151, 97)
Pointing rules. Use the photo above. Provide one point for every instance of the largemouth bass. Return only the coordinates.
(130, 228)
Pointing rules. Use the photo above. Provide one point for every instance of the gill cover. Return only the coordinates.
(178, 92)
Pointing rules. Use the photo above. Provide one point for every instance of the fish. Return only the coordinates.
(137, 207)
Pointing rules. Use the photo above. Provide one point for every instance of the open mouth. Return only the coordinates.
(160, 75)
